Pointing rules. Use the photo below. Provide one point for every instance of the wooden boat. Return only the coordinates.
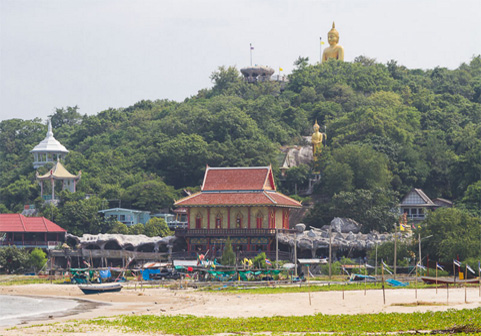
(100, 288)
(450, 281)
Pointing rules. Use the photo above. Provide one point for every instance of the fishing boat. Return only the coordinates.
(100, 288)
(450, 281)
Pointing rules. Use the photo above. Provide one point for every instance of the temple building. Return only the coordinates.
(30, 232)
(60, 174)
(49, 150)
(240, 203)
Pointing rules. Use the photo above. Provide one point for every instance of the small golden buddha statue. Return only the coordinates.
(316, 140)
(334, 50)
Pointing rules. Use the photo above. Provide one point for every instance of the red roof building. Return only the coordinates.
(16, 229)
(240, 203)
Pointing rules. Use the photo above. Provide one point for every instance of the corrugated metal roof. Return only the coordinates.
(20, 223)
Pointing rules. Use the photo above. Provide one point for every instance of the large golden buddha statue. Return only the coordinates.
(334, 50)
(317, 138)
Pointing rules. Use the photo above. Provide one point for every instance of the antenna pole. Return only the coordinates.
(250, 44)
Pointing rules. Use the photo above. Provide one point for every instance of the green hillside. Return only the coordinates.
(389, 129)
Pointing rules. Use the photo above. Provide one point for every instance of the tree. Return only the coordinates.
(157, 227)
(455, 233)
(79, 215)
(150, 195)
(119, 228)
(368, 168)
(373, 209)
(385, 251)
(137, 229)
(228, 256)
(260, 260)
(13, 260)
(37, 259)
(297, 178)
(224, 78)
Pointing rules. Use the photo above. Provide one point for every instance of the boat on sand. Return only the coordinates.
(100, 288)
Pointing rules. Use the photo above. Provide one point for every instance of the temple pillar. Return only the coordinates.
(249, 217)
(53, 189)
(208, 219)
(228, 218)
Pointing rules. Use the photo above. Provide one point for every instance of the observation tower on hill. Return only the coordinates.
(49, 150)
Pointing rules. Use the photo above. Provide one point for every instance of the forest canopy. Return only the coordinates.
(389, 129)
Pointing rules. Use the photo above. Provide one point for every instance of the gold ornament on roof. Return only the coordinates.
(334, 50)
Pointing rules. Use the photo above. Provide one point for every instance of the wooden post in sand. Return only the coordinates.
(416, 276)
(382, 281)
(308, 286)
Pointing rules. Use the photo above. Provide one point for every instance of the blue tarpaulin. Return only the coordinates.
(147, 272)
(104, 274)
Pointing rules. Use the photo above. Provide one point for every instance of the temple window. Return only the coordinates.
(198, 221)
(259, 220)
(218, 221)
(238, 221)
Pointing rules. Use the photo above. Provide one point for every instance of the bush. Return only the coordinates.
(228, 257)
(13, 260)
(260, 260)
(37, 259)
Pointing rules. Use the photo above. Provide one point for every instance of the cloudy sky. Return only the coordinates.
(98, 54)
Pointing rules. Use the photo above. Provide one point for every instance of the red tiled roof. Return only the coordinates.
(238, 198)
(242, 178)
(20, 223)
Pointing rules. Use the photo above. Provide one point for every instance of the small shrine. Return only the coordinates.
(49, 150)
(57, 174)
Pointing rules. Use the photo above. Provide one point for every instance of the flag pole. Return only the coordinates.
(382, 281)
(479, 277)
(436, 277)
(465, 281)
(250, 49)
(416, 275)
(395, 249)
(320, 48)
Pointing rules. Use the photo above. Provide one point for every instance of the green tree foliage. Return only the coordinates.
(37, 259)
(120, 228)
(356, 167)
(13, 259)
(150, 195)
(157, 227)
(455, 233)
(137, 229)
(259, 260)
(388, 127)
(228, 256)
(406, 253)
(78, 214)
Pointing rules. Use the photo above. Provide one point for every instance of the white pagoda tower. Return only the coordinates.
(49, 150)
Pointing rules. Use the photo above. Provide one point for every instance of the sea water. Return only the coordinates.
(15, 309)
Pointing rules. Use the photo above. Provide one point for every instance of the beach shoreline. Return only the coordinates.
(163, 301)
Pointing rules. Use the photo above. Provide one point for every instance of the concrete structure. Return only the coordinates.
(257, 73)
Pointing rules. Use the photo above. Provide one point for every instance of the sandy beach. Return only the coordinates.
(162, 301)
